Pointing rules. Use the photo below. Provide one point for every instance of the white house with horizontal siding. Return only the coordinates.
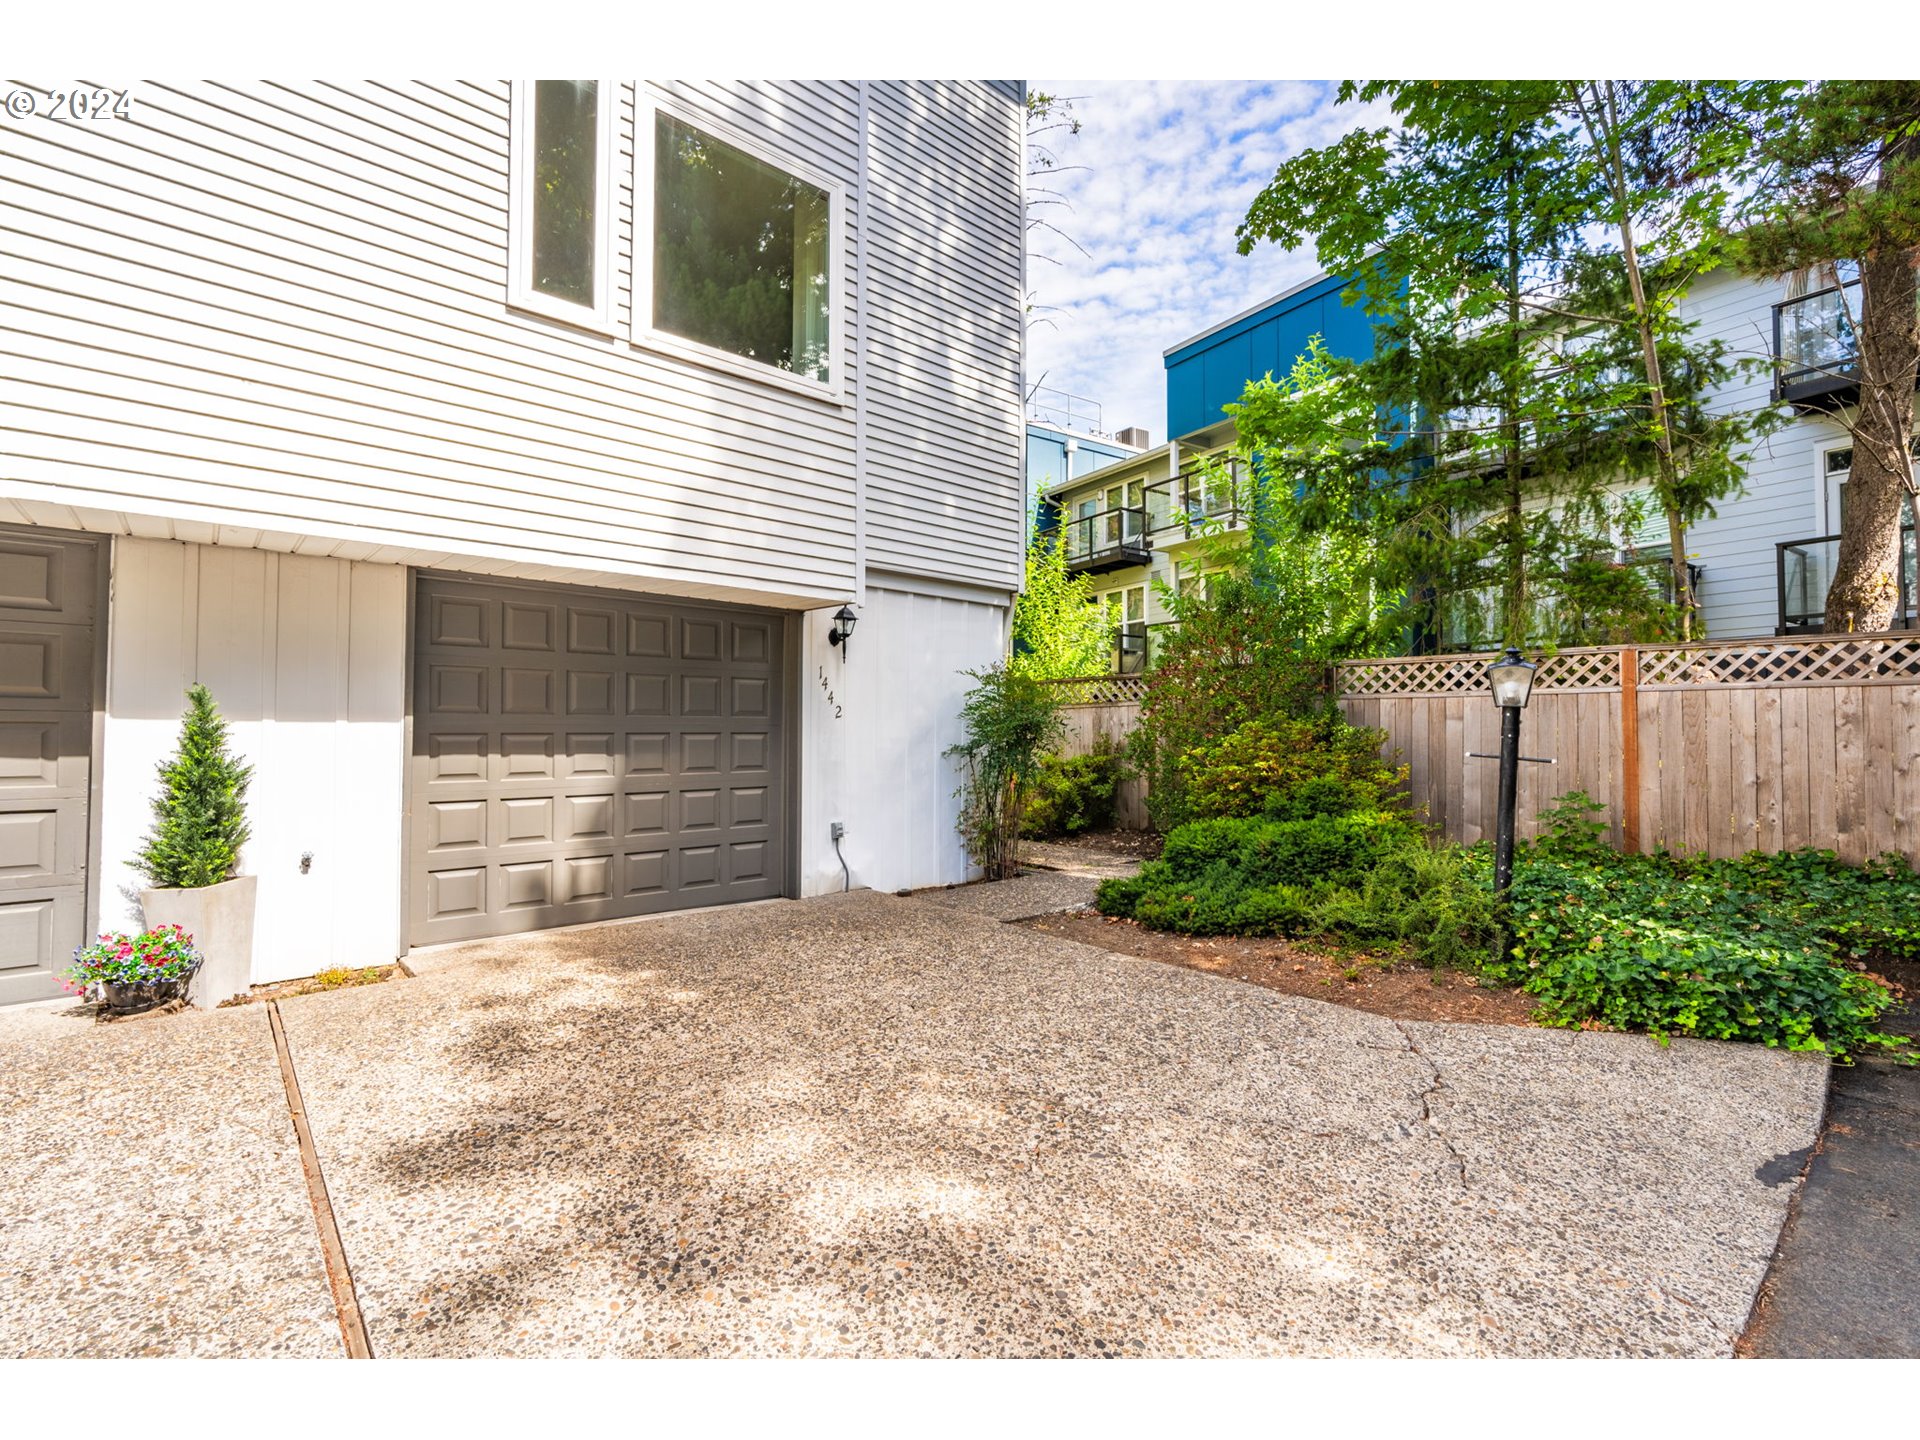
(500, 454)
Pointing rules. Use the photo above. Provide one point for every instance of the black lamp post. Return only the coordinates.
(1511, 679)
(842, 630)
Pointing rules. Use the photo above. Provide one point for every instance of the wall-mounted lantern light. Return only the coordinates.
(842, 630)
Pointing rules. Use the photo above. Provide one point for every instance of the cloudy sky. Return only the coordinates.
(1168, 169)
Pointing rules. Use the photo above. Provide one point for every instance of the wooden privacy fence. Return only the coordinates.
(1716, 747)
(1106, 705)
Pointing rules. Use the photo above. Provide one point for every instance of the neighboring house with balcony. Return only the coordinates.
(1767, 557)
(1141, 520)
(500, 455)
(1761, 564)
(1066, 438)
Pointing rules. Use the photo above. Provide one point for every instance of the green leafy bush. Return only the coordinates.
(1293, 769)
(1767, 948)
(1236, 655)
(1012, 720)
(200, 815)
(1072, 793)
(1653, 943)
(1763, 948)
(1434, 900)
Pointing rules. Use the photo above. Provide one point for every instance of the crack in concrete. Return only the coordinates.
(1425, 1098)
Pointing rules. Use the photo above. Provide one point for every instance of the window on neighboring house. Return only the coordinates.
(1133, 633)
(561, 211)
(733, 251)
(1191, 578)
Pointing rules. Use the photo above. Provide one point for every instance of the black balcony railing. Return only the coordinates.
(1197, 497)
(1111, 539)
(1815, 352)
(1804, 571)
(1472, 617)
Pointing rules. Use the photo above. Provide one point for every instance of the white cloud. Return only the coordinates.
(1165, 172)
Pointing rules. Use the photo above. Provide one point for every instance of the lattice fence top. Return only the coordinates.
(1823, 660)
(1467, 674)
(1795, 660)
(1102, 690)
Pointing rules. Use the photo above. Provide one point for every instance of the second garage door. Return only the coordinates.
(582, 756)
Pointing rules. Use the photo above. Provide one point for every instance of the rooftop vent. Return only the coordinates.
(1136, 437)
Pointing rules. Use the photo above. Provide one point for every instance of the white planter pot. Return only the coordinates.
(219, 918)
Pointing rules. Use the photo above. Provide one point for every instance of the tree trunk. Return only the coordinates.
(1604, 127)
(1866, 587)
(1866, 580)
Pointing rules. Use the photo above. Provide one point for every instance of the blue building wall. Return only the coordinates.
(1206, 373)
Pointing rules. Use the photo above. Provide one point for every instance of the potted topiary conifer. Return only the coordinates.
(199, 825)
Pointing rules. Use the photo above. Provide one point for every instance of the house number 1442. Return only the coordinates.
(828, 690)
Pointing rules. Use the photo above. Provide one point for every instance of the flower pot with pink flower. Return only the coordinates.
(131, 973)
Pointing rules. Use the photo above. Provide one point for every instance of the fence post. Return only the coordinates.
(1630, 749)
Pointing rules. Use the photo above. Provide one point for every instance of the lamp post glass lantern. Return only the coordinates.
(1511, 680)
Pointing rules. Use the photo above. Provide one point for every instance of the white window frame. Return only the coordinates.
(647, 105)
(520, 292)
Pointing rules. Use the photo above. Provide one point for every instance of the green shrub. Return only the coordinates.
(1236, 655)
(1011, 721)
(1072, 793)
(1292, 770)
(1766, 948)
(1434, 900)
(200, 814)
(1364, 876)
(1762, 948)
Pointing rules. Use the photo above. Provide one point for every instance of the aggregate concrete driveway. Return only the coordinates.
(865, 1125)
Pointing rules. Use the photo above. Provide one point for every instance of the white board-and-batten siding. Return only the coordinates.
(275, 314)
(306, 658)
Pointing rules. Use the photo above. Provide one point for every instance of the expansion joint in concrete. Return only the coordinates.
(346, 1304)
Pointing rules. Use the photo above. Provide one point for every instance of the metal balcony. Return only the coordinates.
(1201, 497)
(1816, 357)
(1112, 539)
(1804, 569)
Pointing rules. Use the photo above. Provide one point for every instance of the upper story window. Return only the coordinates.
(734, 252)
(561, 209)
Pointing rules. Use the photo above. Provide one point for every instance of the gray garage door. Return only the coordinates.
(47, 597)
(580, 756)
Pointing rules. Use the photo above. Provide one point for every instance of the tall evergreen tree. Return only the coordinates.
(1656, 154)
(199, 816)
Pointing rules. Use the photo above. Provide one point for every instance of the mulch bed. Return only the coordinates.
(1373, 983)
(1135, 844)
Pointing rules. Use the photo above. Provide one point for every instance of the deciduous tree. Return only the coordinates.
(1058, 633)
